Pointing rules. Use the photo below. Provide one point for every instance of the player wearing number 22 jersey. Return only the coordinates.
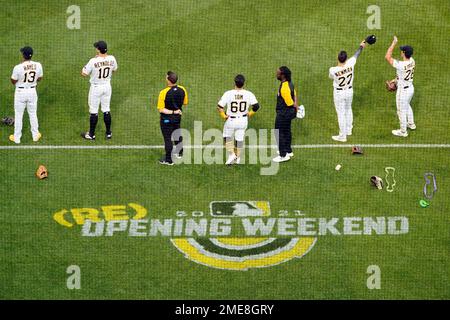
(25, 77)
(237, 103)
(100, 69)
(343, 75)
(405, 89)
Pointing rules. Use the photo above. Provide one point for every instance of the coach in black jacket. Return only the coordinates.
(286, 111)
(170, 103)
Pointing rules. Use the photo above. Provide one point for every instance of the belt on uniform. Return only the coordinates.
(343, 88)
(26, 88)
(406, 87)
(234, 117)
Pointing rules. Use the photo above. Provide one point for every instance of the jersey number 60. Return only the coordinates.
(238, 106)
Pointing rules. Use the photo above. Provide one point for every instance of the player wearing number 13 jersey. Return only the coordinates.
(25, 77)
(237, 103)
(100, 69)
(343, 75)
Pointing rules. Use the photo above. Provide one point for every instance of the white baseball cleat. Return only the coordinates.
(11, 138)
(238, 160)
(231, 159)
(38, 137)
(412, 126)
(339, 138)
(281, 159)
(290, 154)
(349, 133)
(400, 133)
(85, 135)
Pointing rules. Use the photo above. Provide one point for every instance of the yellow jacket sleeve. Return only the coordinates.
(186, 99)
(161, 99)
(286, 94)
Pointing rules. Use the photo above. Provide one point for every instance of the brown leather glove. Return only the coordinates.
(357, 150)
(42, 172)
(391, 85)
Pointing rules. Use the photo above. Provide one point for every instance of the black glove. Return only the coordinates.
(371, 39)
(9, 121)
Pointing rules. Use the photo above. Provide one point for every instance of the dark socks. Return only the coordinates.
(93, 123)
(107, 119)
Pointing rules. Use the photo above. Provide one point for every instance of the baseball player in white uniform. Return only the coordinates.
(237, 103)
(100, 69)
(343, 75)
(25, 77)
(405, 88)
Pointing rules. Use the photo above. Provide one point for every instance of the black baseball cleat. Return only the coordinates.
(85, 135)
(108, 136)
(167, 163)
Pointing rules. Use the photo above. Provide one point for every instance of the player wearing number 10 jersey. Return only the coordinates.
(100, 69)
(237, 103)
(342, 76)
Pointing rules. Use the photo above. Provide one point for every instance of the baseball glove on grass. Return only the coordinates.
(391, 85)
(8, 121)
(377, 182)
(357, 150)
(41, 172)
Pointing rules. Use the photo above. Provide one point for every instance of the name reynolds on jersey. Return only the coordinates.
(107, 63)
(248, 227)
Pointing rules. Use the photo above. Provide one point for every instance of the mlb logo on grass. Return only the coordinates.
(240, 208)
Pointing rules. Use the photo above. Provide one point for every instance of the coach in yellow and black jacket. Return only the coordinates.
(286, 111)
(170, 106)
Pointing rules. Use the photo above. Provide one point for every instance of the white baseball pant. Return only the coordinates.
(235, 127)
(99, 95)
(25, 99)
(404, 110)
(343, 104)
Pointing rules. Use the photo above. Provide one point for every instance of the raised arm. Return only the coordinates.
(362, 45)
(388, 56)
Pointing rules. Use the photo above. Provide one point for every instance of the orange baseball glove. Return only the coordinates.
(42, 172)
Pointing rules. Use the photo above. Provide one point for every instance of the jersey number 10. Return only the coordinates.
(103, 73)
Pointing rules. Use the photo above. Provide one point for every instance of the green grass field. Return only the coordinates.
(207, 43)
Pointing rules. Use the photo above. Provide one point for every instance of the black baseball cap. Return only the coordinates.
(408, 50)
(27, 52)
(101, 46)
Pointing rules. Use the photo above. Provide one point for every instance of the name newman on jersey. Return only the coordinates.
(341, 73)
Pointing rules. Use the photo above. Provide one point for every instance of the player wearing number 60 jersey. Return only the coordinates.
(343, 75)
(237, 103)
(100, 70)
(25, 77)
